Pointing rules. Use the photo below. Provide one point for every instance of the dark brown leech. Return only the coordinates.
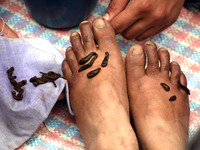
(87, 58)
(184, 88)
(172, 98)
(18, 97)
(165, 86)
(93, 73)
(10, 71)
(105, 60)
(46, 77)
(88, 65)
(17, 86)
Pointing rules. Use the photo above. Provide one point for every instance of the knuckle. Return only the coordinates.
(158, 15)
(144, 6)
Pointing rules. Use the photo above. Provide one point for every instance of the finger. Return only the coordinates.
(114, 8)
(150, 32)
(125, 18)
(137, 29)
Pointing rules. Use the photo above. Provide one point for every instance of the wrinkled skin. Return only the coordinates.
(141, 19)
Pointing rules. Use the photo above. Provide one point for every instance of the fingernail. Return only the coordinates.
(137, 52)
(149, 43)
(106, 16)
(69, 48)
(74, 34)
(100, 23)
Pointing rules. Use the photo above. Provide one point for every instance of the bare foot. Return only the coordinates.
(160, 124)
(100, 104)
(7, 32)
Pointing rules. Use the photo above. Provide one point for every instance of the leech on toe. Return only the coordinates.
(87, 58)
(165, 86)
(105, 60)
(184, 88)
(172, 98)
(93, 73)
(88, 65)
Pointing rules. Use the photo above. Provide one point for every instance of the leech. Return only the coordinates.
(46, 77)
(19, 89)
(93, 73)
(172, 98)
(87, 58)
(17, 85)
(88, 65)
(105, 60)
(21, 83)
(165, 86)
(184, 88)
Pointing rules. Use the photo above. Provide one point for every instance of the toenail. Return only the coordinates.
(163, 49)
(100, 23)
(74, 34)
(149, 43)
(137, 52)
(174, 63)
(106, 16)
(84, 22)
(68, 49)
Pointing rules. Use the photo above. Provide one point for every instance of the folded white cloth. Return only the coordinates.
(20, 119)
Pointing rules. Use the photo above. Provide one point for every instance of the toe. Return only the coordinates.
(86, 33)
(175, 73)
(164, 62)
(183, 79)
(77, 46)
(104, 34)
(152, 55)
(135, 63)
(67, 73)
(71, 60)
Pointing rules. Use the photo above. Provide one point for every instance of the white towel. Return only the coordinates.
(20, 119)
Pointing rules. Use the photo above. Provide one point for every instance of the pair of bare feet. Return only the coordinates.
(101, 105)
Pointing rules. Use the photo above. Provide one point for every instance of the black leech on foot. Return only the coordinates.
(184, 88)
(172, 98)
(105, 60)
(165, 86)
(87, 58)
(89, 64)
(93, 73)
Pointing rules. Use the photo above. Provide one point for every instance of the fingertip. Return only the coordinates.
(106, 16)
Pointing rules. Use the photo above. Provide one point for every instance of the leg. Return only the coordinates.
(159, 123)
(100, 104)
(8, 32)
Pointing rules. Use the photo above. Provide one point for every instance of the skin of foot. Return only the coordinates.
(7, 32)
(100, 104)
(159, 123)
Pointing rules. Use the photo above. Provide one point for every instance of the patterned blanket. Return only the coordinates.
(59, 131)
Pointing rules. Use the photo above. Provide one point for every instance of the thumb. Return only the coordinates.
(114, 8)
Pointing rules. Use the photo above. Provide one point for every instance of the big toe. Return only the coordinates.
(104, 35)
(135, 63)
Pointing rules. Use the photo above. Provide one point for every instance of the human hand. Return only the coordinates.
(141, 19)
